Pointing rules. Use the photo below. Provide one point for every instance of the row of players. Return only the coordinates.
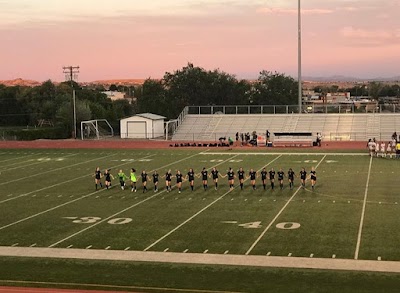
(204, 175)
(382, 149)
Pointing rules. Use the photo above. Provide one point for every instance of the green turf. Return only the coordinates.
(44, 194)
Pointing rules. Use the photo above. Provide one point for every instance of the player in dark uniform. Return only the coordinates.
(313, 177)
(204, 177)
(168, 178)
(231, 178)
(291, 176)
(264, 174)
(144, 180)
(272, 178)
(240, 173)
(281, 174)
(179, 179)
(253, 175)
(303, 177)
(97, 177)
(215, 174)
(190, 177)
(107, 178)
(155, 180)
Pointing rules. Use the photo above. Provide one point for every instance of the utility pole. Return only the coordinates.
(71, 73)
(299, 60)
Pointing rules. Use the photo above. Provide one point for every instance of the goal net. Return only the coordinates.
(96, 129)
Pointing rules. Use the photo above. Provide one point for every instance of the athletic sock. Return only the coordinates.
(254, 187)
(281, 186)
(241, 186)
(216, 185)
(272, 185)
(265, 187)
(101, 185)
(192, 187)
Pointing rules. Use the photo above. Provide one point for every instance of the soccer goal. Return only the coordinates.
(96, 129)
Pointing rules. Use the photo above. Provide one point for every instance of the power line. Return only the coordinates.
(71, 73)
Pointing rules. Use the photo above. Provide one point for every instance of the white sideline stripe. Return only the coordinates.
(202, 210)
(363, 212)
(57, 169)
(278, 214)
(290, 154)
(61, 183)
(107, 286)
(199, 258)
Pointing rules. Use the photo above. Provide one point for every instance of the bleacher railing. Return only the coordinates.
(330, 136)
(290, 109)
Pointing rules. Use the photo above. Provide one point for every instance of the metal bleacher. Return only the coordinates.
(345, 127)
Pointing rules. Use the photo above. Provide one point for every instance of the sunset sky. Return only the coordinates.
(138, 39)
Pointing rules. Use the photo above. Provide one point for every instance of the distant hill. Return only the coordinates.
(138, 81)
(20, 82)
(342, 78)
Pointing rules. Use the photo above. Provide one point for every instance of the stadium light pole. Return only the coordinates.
(300, 97)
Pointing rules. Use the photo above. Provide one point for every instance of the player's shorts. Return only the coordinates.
(313, 178)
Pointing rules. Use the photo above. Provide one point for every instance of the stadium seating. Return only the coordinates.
(344, 127)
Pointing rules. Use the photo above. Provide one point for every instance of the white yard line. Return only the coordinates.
(15, 158)
(363, 212)
(63, 182)
(277, 215)
(201, 211)
(56, 207)
(290, 154)
(28, 165)
(49, 210)
(200, 258)
(57, 169)
(126, 209)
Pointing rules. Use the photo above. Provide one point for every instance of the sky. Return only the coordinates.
(118, 39)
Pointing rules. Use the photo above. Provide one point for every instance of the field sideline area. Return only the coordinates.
(57, 231)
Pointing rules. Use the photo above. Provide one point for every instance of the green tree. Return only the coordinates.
(274, 89)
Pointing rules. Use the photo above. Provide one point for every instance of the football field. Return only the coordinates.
(48, 200)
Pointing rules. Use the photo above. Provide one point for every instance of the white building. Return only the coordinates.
(144, 125)
(114, 95)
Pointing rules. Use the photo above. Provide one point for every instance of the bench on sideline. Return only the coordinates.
(293, 139)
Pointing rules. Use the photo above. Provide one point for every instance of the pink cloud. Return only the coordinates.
(351, 32)
(268, 10)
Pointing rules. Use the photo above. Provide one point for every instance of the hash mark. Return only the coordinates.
(334, 256)
(88, 247)
(15, 244)
(269, 253)
(107, 248)
(311, 255)
(127, 248)
(290, 254)
(69, 246)
(205, 251)
(226, 252)
(33, 245)
(166, 249)
(186, 250)
(379, 258)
